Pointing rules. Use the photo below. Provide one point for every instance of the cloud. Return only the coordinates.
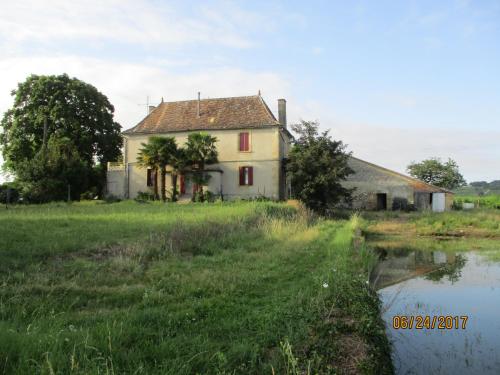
(48, 23)
(476, 152)
(128, 84)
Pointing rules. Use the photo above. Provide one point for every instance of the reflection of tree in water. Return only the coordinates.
(452, 270)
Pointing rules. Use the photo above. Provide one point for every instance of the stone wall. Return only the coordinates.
(373, 184)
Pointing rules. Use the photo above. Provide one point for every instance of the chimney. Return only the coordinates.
(151, 108)
(198, 104)
(282, 112)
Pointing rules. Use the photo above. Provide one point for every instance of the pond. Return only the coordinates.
(460, 295)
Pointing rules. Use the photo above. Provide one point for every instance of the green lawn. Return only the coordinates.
(181, 289)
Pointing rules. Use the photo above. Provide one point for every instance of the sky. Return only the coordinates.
(396, 81)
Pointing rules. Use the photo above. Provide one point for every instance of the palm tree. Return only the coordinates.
(157, 154)
(179, 165)
(167, 150)
(148, 158)
(201, 151)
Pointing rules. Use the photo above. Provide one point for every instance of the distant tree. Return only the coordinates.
(58, 107)
(200, 151)
(481, 184)
(435, 172)
(494, 185)
(317, 165)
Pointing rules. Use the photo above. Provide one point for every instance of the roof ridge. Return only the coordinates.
(195, 100)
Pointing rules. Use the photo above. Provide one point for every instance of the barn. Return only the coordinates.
(379, 188)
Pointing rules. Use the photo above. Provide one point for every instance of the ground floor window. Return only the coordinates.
(151, 177)
(246, 176)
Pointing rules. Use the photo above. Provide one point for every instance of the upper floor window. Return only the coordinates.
(244, 142)
(246, 176)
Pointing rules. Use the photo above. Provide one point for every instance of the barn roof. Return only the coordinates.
(417, 184)
(214, 114)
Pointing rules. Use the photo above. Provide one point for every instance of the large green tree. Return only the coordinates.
(201, 151)
(438, 173)
(57, 172)
(59, 107)
(317, 165)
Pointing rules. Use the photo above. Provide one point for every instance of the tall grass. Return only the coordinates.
(133, 288)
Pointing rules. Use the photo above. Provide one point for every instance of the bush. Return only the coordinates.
(145, 196)
(89, 194)
(9, 190)
(205, 196)
(110, 198)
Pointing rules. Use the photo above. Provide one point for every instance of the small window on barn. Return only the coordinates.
(150, 177)
(244, 142)
(246, 176)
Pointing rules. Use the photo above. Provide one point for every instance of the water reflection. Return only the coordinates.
(395, 266)
(423, 283)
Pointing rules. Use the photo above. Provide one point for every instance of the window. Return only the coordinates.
(244, 142)
(151, 177)
(246, 176)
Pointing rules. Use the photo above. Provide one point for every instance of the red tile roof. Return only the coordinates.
(221, 113)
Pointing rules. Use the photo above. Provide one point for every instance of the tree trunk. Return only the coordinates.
(200, 186)
(155, 184)
(163, 174)
(174, 186)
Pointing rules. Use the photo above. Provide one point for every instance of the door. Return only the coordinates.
(182, 184)
(438, 202)
(381, 201)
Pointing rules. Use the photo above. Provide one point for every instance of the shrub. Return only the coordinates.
(89, 194)
(110, 198)
(9, 191)
(145, 196)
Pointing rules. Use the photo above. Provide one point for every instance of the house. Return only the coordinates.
(252, 146)
(378, 188)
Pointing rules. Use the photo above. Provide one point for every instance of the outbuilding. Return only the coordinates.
(379, 188)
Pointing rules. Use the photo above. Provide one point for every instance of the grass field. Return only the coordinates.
(129, 288)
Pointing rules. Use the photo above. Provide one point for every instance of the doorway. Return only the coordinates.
(381, 201)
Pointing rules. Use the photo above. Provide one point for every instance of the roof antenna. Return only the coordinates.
(146, 104)
(198, 104)
(259, 92)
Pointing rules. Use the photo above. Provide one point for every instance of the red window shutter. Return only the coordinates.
(250, 175)
(242, 175)
(244, 142)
